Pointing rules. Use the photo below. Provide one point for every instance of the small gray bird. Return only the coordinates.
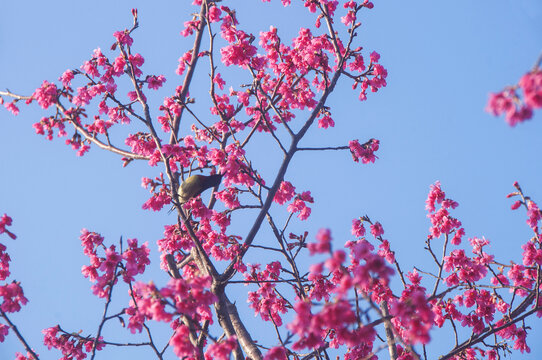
(195, 185)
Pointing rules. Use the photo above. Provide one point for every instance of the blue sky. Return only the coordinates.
(443, 59)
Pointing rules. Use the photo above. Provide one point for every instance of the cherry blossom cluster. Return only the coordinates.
(336, 322)
(5, 221)
(99, 75)
(526, 276)
(416, 311)
(12, 297)
(112, 264)
(72, 346)
(29, 356)
(413, 316)
(364, 152)
(187, 297)
(212, 227)
(183, 348)
(266, 301)
(4, 331)
(10, 106)
(518, 102)
(4, 263)
(283, 70)
(475, 307)
(160, 193)
(534, 215)
(286, 192)
(174, 242)
(221, 350)
(441, 221)
(11, 294)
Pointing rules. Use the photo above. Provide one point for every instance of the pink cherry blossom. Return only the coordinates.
(155, 82)
(67, 78)
(12, 107)
(4, 263)
(221, 350)
(364, 152)
(4, 331)
(323, 244)
(377, 229)
(71, 346)
(214, 14)
(276, 353)
(13, 297)
(326, 122)
(182, 347)
(123, 37)
(285, 193)
(46, 94)
(358, 230)
(518, 108)
(5, 221)
(300, 205)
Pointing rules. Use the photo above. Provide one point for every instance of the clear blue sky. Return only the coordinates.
(443, 59)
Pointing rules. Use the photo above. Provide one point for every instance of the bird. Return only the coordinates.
(195, 185)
